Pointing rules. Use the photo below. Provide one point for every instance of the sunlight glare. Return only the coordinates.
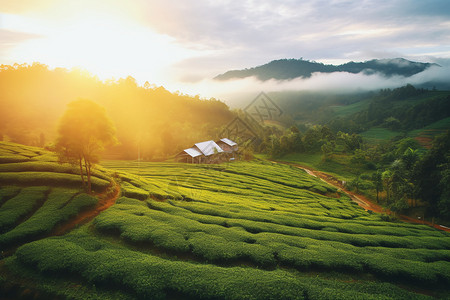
(104, 45)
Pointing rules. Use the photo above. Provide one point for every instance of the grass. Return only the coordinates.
(243, 230)
(346, 110)
(339, 166)
(377, 134)
(426, 135)
(443, 124)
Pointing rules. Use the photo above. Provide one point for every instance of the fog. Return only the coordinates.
(234, 92)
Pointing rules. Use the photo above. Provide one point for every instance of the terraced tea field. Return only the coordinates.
(37, 194)
(244, 230)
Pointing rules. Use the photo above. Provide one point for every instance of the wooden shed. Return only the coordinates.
(208, 152)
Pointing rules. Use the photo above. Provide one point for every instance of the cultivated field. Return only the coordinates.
(37, 193)
(244, 230)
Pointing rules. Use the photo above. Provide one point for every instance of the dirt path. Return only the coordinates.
(104, 202)
(361, 200)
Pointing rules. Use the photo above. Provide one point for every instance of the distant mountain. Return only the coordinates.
(285, 69)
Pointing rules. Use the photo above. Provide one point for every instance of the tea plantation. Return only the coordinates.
(37, 193)
(243, 230)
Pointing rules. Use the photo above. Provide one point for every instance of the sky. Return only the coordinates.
(182, 45)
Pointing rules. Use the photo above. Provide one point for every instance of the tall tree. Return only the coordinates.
(430, 174)
(378, 183)
(83, 133)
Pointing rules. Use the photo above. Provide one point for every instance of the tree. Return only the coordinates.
(444, 184)
(312, 140)
(430, 170)
(84, 131)
(327, 150)
(378, 183)
(386, 177)
(274, 146)
(350, 142)
(359, 157)
(392, 123)
(356, 182)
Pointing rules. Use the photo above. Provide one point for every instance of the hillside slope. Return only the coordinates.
(38, 194)
(34, 97)
(253, 230)
(409, 108)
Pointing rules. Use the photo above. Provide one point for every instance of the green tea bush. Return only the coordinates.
(7, 193)
(261, 216)
(129, 190)
(151, 277)
(59, 207)
(226, 240)
(21, 205)
(38, 166)
(48, 178)
(6, 159)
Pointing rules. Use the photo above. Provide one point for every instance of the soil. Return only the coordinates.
(361, 200)
(105, 201)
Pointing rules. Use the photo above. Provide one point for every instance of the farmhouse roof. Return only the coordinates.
(228, 142)
(208, 148)
(192, 152)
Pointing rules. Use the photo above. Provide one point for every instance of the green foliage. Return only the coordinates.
(12, 159)
(48, 178)
(150, 277)
(392, 123)
(431, 170)
(444, 184)
(376, 135)
(40, 196)
(351, 142)
(60, 205)
(19, 206)
(83, 133)
(37, 160)
(163, 122)
(251, 223)
(7, 193)
(253, 230)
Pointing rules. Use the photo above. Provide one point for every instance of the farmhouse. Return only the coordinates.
(209, 152)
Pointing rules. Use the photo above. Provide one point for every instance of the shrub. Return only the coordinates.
(48, 178)
(19, 206)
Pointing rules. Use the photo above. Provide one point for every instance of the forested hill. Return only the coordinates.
(284, 69)
(402, 109)
(149, 120)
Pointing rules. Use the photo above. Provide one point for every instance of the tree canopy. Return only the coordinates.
(84, 131)
(149, 119)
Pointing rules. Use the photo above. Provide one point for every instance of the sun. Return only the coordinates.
(105, 45)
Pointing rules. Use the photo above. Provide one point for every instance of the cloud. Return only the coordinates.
(250, 33)
(10, 39)
(225, 34)
(238, 92)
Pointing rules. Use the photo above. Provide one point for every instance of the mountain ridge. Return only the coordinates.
(287, 69)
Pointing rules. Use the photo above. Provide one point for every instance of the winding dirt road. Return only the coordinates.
(361, 200)
(104, 202)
